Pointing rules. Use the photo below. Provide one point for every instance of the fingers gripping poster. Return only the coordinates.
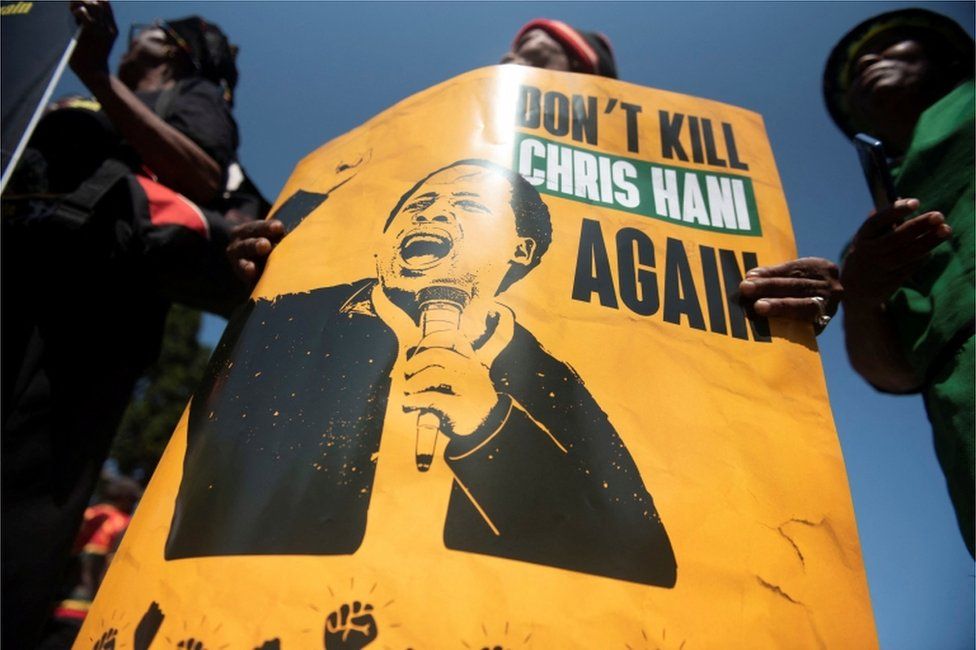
(494, 390)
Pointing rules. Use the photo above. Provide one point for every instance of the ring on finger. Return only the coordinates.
(822, 317)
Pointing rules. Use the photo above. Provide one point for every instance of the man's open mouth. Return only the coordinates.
(424, 248)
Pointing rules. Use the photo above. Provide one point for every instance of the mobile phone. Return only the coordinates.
(874, 162)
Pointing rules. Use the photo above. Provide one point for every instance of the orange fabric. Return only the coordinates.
(102, 527)
(167, 207)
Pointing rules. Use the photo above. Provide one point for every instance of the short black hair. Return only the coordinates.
(531, 214)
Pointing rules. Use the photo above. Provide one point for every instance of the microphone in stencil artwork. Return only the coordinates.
(440, 311)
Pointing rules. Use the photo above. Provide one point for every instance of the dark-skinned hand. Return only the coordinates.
(98, 34)
(250, 245)
(886, 251)
(804, 289)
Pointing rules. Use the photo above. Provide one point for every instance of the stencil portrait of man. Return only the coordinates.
(284, 432)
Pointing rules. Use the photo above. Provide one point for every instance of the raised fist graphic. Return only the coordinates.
(148, 627)
(350, 627)
(107, 642)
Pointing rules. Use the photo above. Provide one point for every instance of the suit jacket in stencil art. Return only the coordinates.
(284, 430)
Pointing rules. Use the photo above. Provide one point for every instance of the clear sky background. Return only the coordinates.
(312, 71)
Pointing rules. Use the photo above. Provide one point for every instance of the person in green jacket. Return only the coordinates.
(906, 77)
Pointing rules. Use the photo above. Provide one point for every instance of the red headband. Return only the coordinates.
(568, 37)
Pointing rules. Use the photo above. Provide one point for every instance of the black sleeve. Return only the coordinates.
(194, 270)
(284, 429)
(200, 112)
(552, 483)
(191, 269)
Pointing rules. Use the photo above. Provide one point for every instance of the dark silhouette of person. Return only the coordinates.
(906, 77)
(83, 274)
(284, 431)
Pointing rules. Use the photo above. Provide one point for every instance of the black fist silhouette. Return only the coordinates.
(148, 627)
(107, 642)
(350, 627)
(191, 644)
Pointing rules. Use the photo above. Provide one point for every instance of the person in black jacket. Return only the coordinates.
(284, 432)
(83, 272)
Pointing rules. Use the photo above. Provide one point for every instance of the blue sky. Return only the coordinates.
(312, 71)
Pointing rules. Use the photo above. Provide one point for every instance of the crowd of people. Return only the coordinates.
(147, 201)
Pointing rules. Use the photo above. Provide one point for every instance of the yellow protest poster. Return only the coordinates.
(494, 390)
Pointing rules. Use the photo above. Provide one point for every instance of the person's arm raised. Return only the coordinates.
(179, 162)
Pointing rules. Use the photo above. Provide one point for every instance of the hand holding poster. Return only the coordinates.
(523, 283)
